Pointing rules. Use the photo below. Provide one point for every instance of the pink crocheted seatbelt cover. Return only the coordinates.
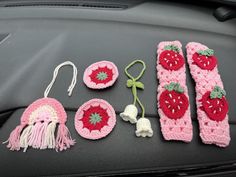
(172, 97)
(212, 107)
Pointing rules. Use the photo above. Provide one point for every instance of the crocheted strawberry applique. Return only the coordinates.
(173, 101)
(215, 104)
(170, 58)
(95, 119)
(205, 59)
(100, 75)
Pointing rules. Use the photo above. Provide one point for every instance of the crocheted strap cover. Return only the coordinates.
(38, 126)
(172, 97)
(100, 75)
(95, 119)
(212, 107)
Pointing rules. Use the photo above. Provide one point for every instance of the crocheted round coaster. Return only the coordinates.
(95, 119)
(100, 75)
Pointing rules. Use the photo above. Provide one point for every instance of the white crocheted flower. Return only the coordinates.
(130, 114)
(143, 128)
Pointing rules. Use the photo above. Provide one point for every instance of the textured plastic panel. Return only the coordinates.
(47, 37)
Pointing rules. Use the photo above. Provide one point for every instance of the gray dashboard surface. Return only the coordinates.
(41, 38)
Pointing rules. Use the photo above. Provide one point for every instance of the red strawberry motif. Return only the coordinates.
(170, 58)
(215, 104)
(205, 59)
(173, 101)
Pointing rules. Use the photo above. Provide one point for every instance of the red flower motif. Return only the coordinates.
(101, 75)
(96, 124)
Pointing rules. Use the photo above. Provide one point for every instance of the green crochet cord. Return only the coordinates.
(132, 83)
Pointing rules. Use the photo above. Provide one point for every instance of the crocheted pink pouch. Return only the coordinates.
(95, 119)
(100, 75)
(38, 124)
(172, 97)
(212, 106)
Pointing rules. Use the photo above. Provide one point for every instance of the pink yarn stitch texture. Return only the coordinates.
(173, 129)
(97, 128)
(211, 132)
(38, 124)
(100, 75)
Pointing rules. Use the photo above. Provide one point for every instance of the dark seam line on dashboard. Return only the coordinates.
(119, 21)
(153, 170)
(74, 110)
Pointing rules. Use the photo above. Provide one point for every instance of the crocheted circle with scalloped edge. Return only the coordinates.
(100, 75)
(95, 119)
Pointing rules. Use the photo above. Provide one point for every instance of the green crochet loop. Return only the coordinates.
(207, 52)
(174, 86)
(172, 47)
(133, 84)
(217, 92)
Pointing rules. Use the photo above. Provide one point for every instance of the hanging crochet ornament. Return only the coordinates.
(40, 119)
(95, 119)
(143, 126)
(100, 75)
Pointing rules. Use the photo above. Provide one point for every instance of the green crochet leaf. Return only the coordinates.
(102, 76)
(170, 86)
(139, 85)
(223, 92)
(131, 83)
(95, 118)
(207, 52)
(172, 47)
(213, 95)
(174, 86)
(217, 92)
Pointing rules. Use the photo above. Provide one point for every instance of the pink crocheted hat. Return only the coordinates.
(212, 106)
(100, 75)
(173, 104)
(95, 119)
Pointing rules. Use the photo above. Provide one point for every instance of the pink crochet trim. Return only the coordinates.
(38, 125)
(180, 128)
(100, 75)
(95, 119)
(61, 114)
(211, 131)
